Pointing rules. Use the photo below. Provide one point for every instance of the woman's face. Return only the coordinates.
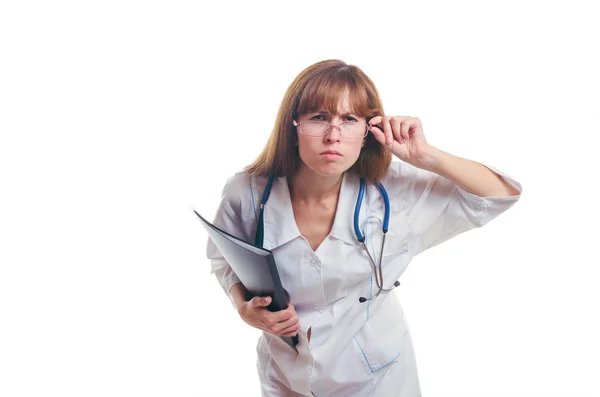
(332, 154)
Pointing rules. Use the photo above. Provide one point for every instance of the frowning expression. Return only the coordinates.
(333, 153)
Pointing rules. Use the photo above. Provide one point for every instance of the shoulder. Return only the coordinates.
(235, 185)
(240, 192)
(239, 183)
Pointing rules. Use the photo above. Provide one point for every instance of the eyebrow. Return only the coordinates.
(326, 112)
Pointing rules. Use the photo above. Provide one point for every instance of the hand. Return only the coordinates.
(401, 135)
(282, 323)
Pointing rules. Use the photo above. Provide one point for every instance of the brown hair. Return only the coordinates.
(322, 84)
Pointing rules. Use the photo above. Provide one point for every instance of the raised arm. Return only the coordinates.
(470, 175)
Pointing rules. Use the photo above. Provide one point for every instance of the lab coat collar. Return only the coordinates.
(280, 223)
(343, 224)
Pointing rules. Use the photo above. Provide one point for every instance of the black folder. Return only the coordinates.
(254, 266)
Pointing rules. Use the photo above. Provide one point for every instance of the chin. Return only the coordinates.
(330, 169)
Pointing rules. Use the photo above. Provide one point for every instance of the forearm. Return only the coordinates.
(468, 174)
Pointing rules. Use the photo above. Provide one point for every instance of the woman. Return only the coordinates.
(330, 132)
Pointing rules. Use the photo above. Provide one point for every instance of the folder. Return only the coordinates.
(254, 266)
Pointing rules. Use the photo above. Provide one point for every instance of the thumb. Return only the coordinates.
(259, 301)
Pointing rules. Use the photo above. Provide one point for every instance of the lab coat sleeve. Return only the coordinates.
(227, 218)
(438, 209)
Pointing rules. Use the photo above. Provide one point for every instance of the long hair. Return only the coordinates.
(322, 85)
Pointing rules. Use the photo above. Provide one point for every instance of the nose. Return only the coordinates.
(334, 134)
(334, 126)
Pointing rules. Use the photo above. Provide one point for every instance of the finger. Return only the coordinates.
(291, 329)
(280, 326)
(397, 128)
(375, 120)
(291, 309)
(405, 129)
(387, 131)
(273, 321)
(378, 135)
(281, 315)
(260, 301)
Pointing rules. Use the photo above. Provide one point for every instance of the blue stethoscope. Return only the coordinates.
(258, 240)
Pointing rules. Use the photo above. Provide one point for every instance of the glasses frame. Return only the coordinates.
(327, 131)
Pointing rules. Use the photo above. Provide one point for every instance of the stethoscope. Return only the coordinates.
(259, 238)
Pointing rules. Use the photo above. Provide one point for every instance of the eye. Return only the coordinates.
(350, 118)
(318, 115)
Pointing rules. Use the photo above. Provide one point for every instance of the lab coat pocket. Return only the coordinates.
(381, 340)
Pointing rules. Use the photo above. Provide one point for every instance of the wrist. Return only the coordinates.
(238, 295)
(241, 308)
(432, 159)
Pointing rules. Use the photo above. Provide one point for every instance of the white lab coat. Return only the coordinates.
(356, 349)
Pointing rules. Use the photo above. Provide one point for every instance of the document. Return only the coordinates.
(254, 266)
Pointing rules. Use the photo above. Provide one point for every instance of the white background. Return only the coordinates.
(117, 116)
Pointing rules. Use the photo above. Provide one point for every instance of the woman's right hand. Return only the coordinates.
(281, 323)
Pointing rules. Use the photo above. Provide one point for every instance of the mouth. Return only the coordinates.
(333, 152)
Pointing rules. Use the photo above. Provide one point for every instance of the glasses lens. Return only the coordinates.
(353, 129)
(320, 128)
(314, 128)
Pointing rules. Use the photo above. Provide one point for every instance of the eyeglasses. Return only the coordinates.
(348, 129)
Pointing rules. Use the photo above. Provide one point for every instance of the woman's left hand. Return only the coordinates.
(401, 135)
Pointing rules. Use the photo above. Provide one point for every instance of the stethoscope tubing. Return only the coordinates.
(259, 238)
